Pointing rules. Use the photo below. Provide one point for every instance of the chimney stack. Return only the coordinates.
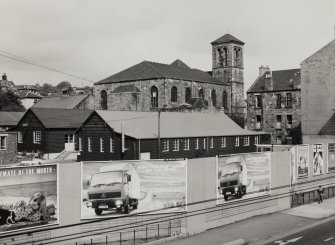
(268, 80)
(263, 69)
(4, 77)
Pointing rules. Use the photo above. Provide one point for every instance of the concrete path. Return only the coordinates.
(265, 228)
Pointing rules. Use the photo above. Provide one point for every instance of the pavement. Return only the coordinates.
(265, 229)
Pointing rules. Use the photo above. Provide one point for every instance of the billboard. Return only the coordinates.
(303, 162)
(132, 187)
(293, 167)
(331, 156)
(243, 176)
(28, 197)
(318, 162)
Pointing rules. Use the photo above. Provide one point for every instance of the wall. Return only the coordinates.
(317, 90)
(9, 155)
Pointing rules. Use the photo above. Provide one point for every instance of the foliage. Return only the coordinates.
(64, 85)
(10, 102)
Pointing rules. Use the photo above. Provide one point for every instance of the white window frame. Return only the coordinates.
(69, 138)
(165, 145)
(175, 145)
(89, 144)
(19, 137)
(237, 141)
(197, 144)
(102, 145)
(223, 142)
(257, 140)
(37, 137)
(246, 141)
(111, 145)
(3, 146)
(186, 144)
(204, 141)
(211, 142)
(80, 144)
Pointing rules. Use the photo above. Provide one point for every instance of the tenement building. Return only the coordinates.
(149, 86)
(274, 105)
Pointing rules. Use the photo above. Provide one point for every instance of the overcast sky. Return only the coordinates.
(95, 39)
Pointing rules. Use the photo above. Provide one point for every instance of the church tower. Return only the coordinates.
(227, 63)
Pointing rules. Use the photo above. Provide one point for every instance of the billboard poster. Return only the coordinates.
(293, 167)
(331, 156)
(318, 163)
(132, 187)
(243, 176)
(28, 197)
(303, 163)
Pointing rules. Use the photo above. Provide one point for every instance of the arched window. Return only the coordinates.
(224, 99)
(213, 96)
(154, 97)
(174, 94)
(188, 95)
(201, 93)
(103, 101)
(237, 57)
(225, 56)
(222, 56)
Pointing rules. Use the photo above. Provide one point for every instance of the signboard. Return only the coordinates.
(303, 162)
(331, 156)
(243, 176)
(28, 197)
(132, 187)
(318, 163)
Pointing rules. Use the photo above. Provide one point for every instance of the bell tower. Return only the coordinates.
(227, 64)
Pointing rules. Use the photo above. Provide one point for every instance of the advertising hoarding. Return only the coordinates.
(331, 156)
(28, 197)
(318, 162)
(132, 187)
(243, 176)
(303, 162)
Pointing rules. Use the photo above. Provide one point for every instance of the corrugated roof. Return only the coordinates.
(130, 88)
(61, 118)
(282, 80)
(329, 127)
(227, 38)
(60, 102)
(144, 125)
(10, 118)
(150, 70)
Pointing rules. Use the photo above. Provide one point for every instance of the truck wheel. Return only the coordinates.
(239, 194)
(118, 210)
(225, 197)
(126, 209)
(98, 211)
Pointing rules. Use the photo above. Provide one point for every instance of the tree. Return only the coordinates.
(10, 102)
(64, 85)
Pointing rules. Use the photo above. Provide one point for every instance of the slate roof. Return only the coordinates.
(61, 118)
(126, 89)
(282, 80)
(329, 127)
(60, 102)
(144, 125)
(151, 70)
(227, 39)
(179, 63)
(9, 119)
(29, 95)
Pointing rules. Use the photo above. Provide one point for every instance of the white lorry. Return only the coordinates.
(116, 185)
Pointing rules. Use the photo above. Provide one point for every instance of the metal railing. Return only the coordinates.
(298, 199)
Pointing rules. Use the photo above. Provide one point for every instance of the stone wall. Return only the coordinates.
(9, 155)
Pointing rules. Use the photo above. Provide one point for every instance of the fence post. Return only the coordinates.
(169, 230)
(106, 239)
(158, 230)
(134, 237)
(146, 234)
(91, 241)
(120, 238)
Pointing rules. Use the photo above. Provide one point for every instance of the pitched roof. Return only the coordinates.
(130, 88)
(227, 38)
(10, 118)
(144, 125)
(179, 63)
(150, 70)
(282, 80)
(29, 95)
(61, 118)
(329, 127)
(60, 102)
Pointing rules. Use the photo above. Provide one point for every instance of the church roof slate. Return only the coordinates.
(150, 70)
(227, 39)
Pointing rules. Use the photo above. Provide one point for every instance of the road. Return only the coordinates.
(322, 234)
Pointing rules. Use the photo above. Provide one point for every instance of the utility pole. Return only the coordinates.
(159, 134)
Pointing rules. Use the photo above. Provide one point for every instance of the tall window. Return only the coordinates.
(174, 94)
(19, 137)
(278, 100)
(213, 96)
(237, 57)
(102, 146)
(37, 137)
(289, 121)
(204, 142)
(111, 145)
(223, 142)
(278, 123)
(80, 144)
(154, 97)
(289, 100)
(258, 101)
(201, 93)
(222, 56)
(103, 102)
(211, 142)
(258, 122)
(89, 145)
(175, 145)
(224, 100)
(165, 145)
(188, 95)
(237, 141)
(3, 144)
(197, 144)
(186, 144)
(256, 140)
(246, 141)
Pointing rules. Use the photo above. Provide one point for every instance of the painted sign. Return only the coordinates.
(243, 176)
(28, 197)
(303, 163)
(135, 187)
(331, 156)
(318, 163)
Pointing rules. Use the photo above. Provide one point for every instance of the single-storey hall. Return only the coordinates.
(181, 135)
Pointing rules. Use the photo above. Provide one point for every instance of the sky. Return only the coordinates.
(94, 39)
